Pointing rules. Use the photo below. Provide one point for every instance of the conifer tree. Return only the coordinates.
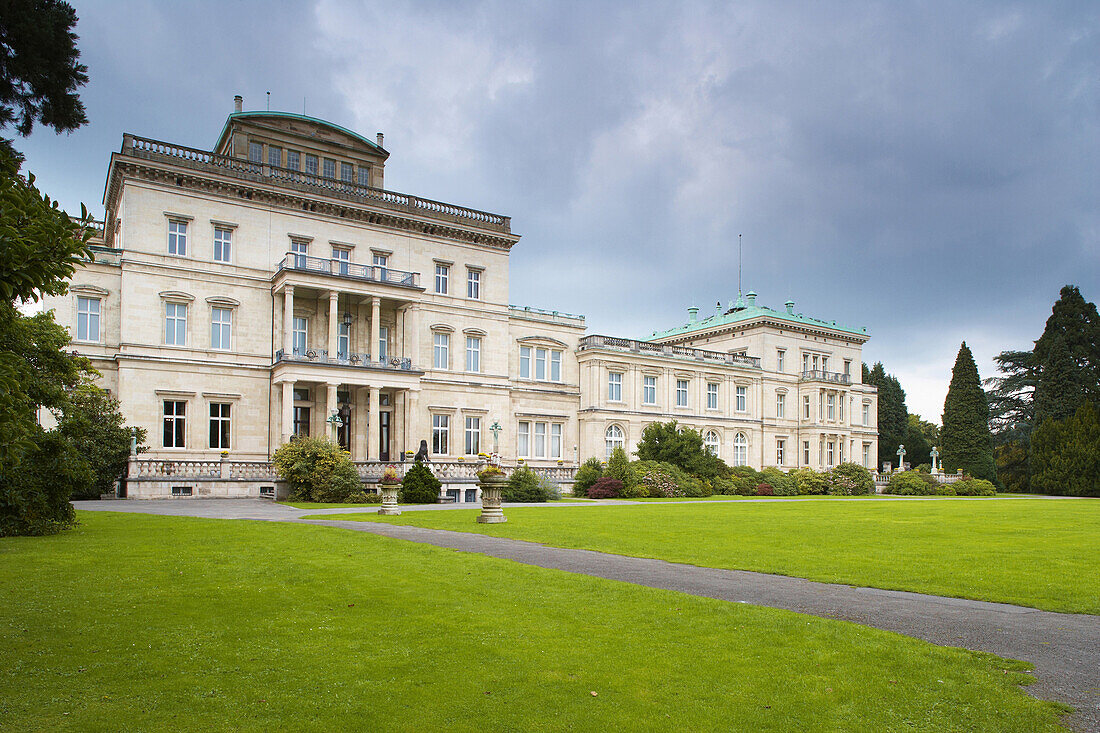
(1065, 454)
(967, 442)
(1075, 323)
(1060, 391)
(893, 417)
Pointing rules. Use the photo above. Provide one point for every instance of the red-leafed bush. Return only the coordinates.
(605, 488)
(765, 490)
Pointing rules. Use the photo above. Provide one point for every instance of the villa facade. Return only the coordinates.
(273, 287)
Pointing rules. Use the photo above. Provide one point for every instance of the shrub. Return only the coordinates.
(743, 481)
(605, 488)
(94, 424)
(34, 498)
(420, 486)
(925, 468)
(364, 497)
(589, 473)
(618, 467)
(765, 490)
(945, 490)
(550, 488)
(669, 443)
(974, 487)
(782, 484)
(317, 470)
(809, 481)
(912, 483)
(524, 486)
(852, 479)
(657, 480)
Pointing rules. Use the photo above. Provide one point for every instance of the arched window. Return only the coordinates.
(614, 438)
(710, 441)
(740, 450)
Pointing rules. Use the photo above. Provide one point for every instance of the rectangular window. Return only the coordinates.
(540, 440)
(347, 173)
(525, 362)
(219, 425)
(221, 328)
(343, 340)
(441, 345)
(298, 333)
(824, 363)
(847, 367)
(364, 176)
(473, 354)
(805, 362)
(87, 319)
(441, 432)
(540, 364)
(742, 398)
(555, 440)
(301, 421)
(175, 421)
(780, 405)
(840, 451)
(175, 324)
(840, 409)
(223, 243)
(555, 366)
(301, 394)
(473, 436)
(329, 170)
(815, 361)
(806, 407)
(780, 446)
(831, 402)
(255, 152)
(681, 393)
(523, 439)
(311, 164)
(293, 160)
(442, 274)
(805, 453)
(383, 342)
(274, 156)
(615, 386)
(779, 355)
(829, 448)
(866, 414)
(649, 390)
(177, 237)
(473, 284)
(299, 249)
(866, 455)
(380, 260)
(340, 259)
(712, 396)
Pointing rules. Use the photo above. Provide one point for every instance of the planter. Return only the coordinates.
(389, 498)
(491, 511)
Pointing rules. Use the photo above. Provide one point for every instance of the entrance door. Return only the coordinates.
(384, 436)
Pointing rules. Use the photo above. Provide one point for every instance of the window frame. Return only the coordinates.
(441, 350)
(177, 236)
(442, 278)
(781, 405)
(472, 439)
(712, 443)
(473, 354)
(222, 328)
(614, 437)
(222, 423)
(740, 449)
(741, 397)
(681, 393)
(712, 395)
(615, 386)
(441, 433)
(649, 389)
(87, 316)
(294, 331)
(177, 419)
(780, 451)
(223, 244)
(473, 283)
(172, 317)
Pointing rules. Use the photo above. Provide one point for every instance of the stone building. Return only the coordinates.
(273, 287)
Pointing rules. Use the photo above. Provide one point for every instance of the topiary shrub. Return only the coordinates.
(974, 487)
(317, 470)
(782, 483)
(765, 490)
(589, 473)
(911, 483)
(524, 487)
(810, 482)
(420, 486)
(852, 479)
(605, 488)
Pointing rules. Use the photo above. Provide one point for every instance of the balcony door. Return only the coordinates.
(384, 435)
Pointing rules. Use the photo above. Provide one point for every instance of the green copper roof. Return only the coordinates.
(303, 118)
(742, 311)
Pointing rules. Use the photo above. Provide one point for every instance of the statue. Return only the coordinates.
(422, 454)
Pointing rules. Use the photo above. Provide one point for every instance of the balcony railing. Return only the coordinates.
(648, 347)
(352, 270)
(141, 147)
(320, 356)
(816, 375)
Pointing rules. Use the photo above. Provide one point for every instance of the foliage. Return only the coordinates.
(94, 425)
(918, 444)
(809, 481)
(782, 484)
(420, 486)
(618, 468)
(850, 479)
(742, 481)
(1067, 358)
(605, 488)
(893, 417)
(1011, 408)
(967, 443)
(364, 497)
(489, 472)
(1065, 455)
(912, 483)
(34, 495)
(973, 487)
(1011, 461)
(549, 488)
(389, 475)
(589, 473)
(685, 484)
(317, 470)
(765, 489)
(947, 490)
(668, 443)
(1058, 392)
(524, 486)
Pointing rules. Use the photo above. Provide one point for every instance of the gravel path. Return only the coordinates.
(1065, 648)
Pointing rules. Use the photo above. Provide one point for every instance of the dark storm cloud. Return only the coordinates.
(927, 170)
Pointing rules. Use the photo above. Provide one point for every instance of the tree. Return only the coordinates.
(1065, 454)
(1076, 323)
(668, 443)
(93, 424)
(317, 470)
(1010, 397)
(893, 417)
(920, 436)
(967, 442)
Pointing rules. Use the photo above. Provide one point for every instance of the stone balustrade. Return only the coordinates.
(647, 347)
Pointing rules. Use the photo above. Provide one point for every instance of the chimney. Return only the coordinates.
(751, 297)
(693, 314)
(380, 138)
(790, 307)
(238, 103)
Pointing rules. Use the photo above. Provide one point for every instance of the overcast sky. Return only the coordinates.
(927, 170)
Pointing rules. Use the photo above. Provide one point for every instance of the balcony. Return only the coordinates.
(320, 356)
(680, 352)
(350, 270)
(311, 183)
(816, 375)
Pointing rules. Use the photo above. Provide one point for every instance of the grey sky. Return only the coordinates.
(928, 170)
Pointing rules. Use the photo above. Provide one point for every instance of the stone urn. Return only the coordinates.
(491, 487)
(389, 497)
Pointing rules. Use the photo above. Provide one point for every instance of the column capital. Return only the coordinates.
(333, 295)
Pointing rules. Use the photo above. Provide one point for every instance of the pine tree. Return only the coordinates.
(893, 417)
(1076, 324)
(1059, 392)
(967, 442)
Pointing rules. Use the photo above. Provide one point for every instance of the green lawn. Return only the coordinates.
(1031, 552)
(134, 622)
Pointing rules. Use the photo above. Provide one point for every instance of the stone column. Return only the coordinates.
(288, 320)
(359, 422)
(330, 407)
(375, 316)
(412, 334)
(333, 321)
(374, 420)
(412, 399)
(400, 438)
(288, 412)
